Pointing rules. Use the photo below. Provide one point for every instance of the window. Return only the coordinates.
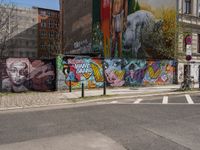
(43, 24)
(188, 6)
(49, 13)
(43, 13)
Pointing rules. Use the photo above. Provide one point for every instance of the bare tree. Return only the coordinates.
(8, 25)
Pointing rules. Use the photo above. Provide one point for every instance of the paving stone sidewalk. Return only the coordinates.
(36, 99)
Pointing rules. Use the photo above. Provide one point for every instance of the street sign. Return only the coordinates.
(188, 57)
(188, 40)
(188, 49)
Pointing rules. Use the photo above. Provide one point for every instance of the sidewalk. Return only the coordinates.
(37, 99)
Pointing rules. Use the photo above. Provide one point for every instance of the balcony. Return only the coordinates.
(189, 19)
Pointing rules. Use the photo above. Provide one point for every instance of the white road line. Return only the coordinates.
(138, 101)
(189, 99)
(114, 102)
(165, 100)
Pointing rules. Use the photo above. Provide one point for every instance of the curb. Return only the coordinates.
(92, 100)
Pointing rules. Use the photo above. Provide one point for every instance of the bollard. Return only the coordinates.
(70, 86)
(104, 88)
(82, 93)
(199, 76)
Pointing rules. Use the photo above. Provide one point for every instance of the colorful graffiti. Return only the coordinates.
(122, 72)
(23, 74)
(117, 72)
(122, 28)
(159, 73)
(87, 71)
(135, 71)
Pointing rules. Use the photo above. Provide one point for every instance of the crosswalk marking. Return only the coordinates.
(114, 102)
(165, 100)
(189, 99)
(138, 101)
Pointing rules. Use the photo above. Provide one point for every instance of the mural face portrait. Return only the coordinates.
(17, 72)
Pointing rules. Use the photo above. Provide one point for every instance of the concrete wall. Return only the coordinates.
(77, 26)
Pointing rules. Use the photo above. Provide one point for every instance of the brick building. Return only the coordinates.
(48, 32)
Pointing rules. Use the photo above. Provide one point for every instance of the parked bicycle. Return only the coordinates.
(188, 83)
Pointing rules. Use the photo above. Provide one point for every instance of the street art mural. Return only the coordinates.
(159, 73)
(23, 74)
(135, 72)
(122, 72)
(77, 71)
(122, 28)
(115, 72)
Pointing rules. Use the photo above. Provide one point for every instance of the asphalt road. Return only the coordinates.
(149, 123)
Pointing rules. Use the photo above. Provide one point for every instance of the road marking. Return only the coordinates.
(189, 99)
(138, 101)
(165, 100)
(114, 102)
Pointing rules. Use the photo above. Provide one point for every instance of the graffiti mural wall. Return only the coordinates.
(159, 73)
(122, 28)
(117, 72)
(23, 74)
(78, 71)
(122, 72)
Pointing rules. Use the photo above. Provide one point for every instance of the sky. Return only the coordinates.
(50, 4)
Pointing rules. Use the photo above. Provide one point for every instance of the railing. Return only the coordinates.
(186, 18)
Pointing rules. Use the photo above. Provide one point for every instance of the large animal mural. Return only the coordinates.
(75, 71)
(23, 74)
(134, 28)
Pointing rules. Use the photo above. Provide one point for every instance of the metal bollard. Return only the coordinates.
(199, 76)
(70, 86)
(82, 93)
(104, 88)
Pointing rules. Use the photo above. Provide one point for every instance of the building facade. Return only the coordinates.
(76, 26)
(189, 17)
(23, 40)
(35, 33)
(48, 32)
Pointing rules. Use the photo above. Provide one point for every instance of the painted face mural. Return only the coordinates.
(124, 27)
(18, 72)
(22, 74)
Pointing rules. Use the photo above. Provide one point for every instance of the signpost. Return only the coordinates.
(188, 42)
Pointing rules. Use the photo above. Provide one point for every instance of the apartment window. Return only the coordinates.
(42, 34)
(27, 43)
(48, 13)
(188, 6)
(43, 24)
(43, 13)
